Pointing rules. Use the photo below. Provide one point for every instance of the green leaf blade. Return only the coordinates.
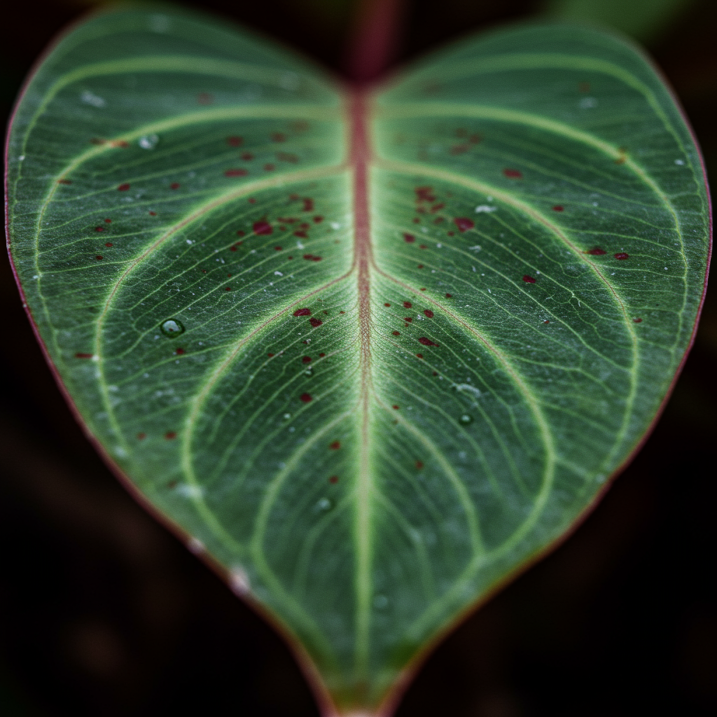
(376, 361)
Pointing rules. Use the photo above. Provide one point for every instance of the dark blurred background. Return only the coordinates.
(105, 613)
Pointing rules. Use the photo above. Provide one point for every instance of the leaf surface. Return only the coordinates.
(372, 352)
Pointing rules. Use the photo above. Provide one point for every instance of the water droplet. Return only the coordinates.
(172, 327)
(309, 371)
(148, 141)
(466, 419)
(287, 416)
(323, 505)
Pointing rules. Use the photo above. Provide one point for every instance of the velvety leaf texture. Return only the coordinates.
(373, 352)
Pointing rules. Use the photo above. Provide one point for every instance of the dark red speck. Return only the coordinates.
(558, 208)
(318, 219)
(420, 266)
(228, 288)
(387, 304)
(108, 244)
(153, 214)
(637, 321)
(416, 220)
(621, 256)
(335, 445)
(396, 333)
(597, 251)
(407, 304)
(234, 141)
(428, 313)
(269, 167)
(270, 355)
(315, 322)
(141, 436)
(420, 356)
(419, 465)
(99, 257)
(278, 137)
(262, 228)
(175, 185)
(64, 181)
(302, 312)
(463, 224)
(322, 355)
(311, 257)
(251, 200)
(108, 221)
(528, 279)
(426, 342)
(423, 246)
(395, 408)
(409, 238)
(247, 156)
(83, 356)
(169, 435)
(308, 205)
(306, 359)
(123, 187)
(301, 234)
(408, 319)
(334, 479)
(99, 229)
(305, 397)
(425, 194)
(513, 173)
(236, 173)
(179, 352)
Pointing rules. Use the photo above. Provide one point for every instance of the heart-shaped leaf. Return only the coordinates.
(372, 352)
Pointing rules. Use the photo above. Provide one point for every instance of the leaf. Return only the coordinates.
(373, 353)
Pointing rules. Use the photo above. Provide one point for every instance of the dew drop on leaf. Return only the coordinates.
(466, 419)
(148, 141)
(172, 327)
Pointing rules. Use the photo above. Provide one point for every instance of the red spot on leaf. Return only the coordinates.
(262, 227)
(334, 479)
(394, 407)
(109, 245)
(270, 355)
(425, 194)
(396, 333)
(409, 238)
(528, 279)
(637, 321)
(622, 256)
(301, 234)
(420, 356)
(179, 352)
(269, 167)
(278, 137)
(322, 355)
(305, 397)
(170, 435)
(419, 465)
(99, 257)
(247, 156)
(308, 205)
(426, 342)
(306, 359)
(311, 257)
(513, 173)
(99, 229)
(407, 304)
(153, 214)
(175, 185)
(141, 436)
(123, 187)
(597, 251)
(408, 319)
(235, 141)
(335, 445)
(236, 173)
(558, 208)
(463, 224)
(318, 219)
(428, 313)
(302, 312)
(315, 322)
(449, 296)
(83, 356)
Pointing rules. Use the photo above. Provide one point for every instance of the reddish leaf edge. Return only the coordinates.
(357, 94)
